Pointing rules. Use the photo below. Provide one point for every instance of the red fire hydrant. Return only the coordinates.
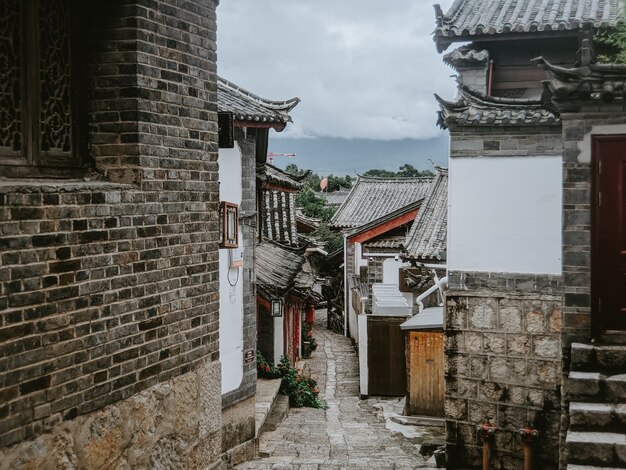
(486, 432)
(528, 435)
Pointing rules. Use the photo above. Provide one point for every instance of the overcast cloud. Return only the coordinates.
(362, 68)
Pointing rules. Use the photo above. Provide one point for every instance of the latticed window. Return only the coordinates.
(39, 109)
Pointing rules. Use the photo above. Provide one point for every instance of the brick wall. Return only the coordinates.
(503, 361)
(577, 180)
(509, 141)
(110, 287)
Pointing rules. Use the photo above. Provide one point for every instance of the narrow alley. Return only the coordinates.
(351, 433)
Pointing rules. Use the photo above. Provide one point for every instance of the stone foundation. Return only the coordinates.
(239, 442)
(172, 425)
(503, 361)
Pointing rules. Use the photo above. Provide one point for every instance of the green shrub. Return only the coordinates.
(301, 389)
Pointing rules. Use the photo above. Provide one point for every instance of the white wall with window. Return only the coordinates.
(231, 282)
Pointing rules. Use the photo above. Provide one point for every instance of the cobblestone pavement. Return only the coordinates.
(349, 434)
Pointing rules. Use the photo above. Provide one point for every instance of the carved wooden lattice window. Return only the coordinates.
(38, 89)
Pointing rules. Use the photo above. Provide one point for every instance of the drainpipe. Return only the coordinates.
(440, 284)
(486, 432)
(528, 435)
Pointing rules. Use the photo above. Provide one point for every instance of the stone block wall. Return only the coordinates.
(598, 118)
(109, 285)
(510, 141)
(503, 361)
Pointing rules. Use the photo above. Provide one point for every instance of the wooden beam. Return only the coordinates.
(384, 228)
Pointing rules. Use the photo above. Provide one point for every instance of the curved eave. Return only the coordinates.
(444, 38)
(475, 109)
(278, 126)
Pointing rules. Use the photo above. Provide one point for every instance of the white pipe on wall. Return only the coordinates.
(440, 284)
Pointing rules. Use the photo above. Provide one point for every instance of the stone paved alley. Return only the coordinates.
(351, 433)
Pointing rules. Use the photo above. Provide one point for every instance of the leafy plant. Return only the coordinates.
(307, 335)
(611, 45)
(265, 369)
(404, 171)
(300, 388)
(332, 240)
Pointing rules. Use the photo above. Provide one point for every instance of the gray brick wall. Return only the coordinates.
(108, 288)
(503, 361)
(577, 181)
(509, 141)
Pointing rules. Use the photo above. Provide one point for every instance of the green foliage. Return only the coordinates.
(332, 240)
(335, 183)
(611, 45)
(404, 171)
(307, 335)
(265, 369)
(300, 388)
(313, 205)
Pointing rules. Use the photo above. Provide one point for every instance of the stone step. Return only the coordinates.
(597, 416)
(592, 467)
(596, 448)
(596, 387)
(598, 357)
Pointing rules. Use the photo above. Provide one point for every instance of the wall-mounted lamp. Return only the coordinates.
(278, 305)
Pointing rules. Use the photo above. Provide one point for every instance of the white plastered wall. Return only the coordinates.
(391, 275)
(231, 281)
(505, 214)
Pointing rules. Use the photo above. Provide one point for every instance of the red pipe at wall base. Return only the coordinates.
(486, 431)
(528, 435)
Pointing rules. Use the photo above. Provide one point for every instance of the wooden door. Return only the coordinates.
(609, 234)
(426, 367)
(386, 356)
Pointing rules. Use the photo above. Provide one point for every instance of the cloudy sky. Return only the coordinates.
(362, 68)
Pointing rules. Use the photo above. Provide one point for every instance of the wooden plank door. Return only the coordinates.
(426, 367)
(609, 234)
(386, 356)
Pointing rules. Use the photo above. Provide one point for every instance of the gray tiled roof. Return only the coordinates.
(373, 198)
(428, 236)
(278, 177)
(475, 109)
(248, 107)
(276, 267)
(393, 242)
(335, 198)
(469, 18)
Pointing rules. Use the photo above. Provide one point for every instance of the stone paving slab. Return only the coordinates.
(349, 434)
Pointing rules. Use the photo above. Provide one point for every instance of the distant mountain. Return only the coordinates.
(350, 156)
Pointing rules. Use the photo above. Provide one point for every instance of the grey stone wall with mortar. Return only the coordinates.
(503, 361)
(598, 118)
(502, 142)
(577, 181)
(109, 289)
(238, 405)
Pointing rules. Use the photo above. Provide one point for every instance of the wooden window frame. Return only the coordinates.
(32, 161)
(229, 240)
